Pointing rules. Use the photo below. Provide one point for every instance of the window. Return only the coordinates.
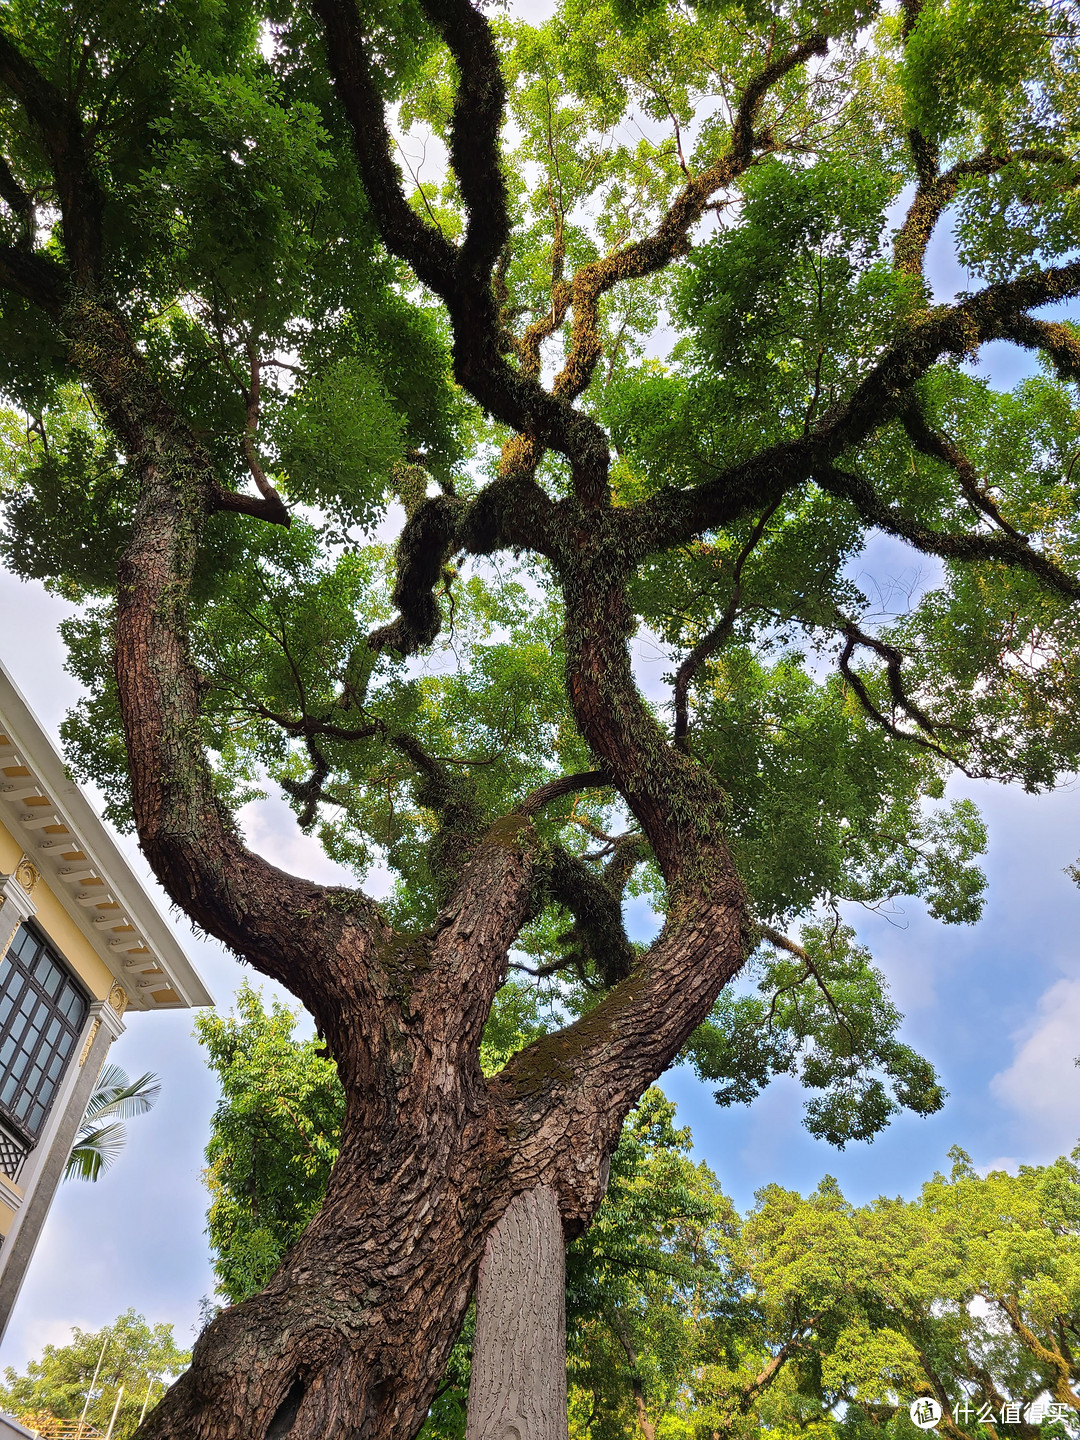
(41, 1014)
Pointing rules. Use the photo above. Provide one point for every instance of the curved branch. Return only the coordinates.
(420, 245)
(307, 726)
(670, 239)
(474, 137)
(936, 191)
(535, 801)
(426, 542)
(274, 502)
(599, 1065)
(708, 645)
(184, 829)
(1003, 547)
(310, 791)
(270, 507)
(893, 664)
(782, 942)
(1058, 341)
(597, 935)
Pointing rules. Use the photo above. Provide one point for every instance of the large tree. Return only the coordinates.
(687, 1321)
(225, 309)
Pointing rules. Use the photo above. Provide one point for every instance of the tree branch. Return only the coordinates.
(670, 239)
(1058, 341)
(426, 542)
(936, 191)
(474, 142)
(273, 502)
(601, 1063)
(34, 276)
(420, 245)
(270, 508)
(782, 942)
(939, 447)
(597, 936)
(708, 645)
(535, 801)
(1003, 547)
(185, 831)
(59, 126)
(19, 203)
(462, 278)
(674, 517)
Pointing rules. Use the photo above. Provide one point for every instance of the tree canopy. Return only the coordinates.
(366, 482)
(86, 1375)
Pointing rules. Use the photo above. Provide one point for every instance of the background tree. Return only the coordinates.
(102, 1135)
(57, 1385)
(233, 334)
(686, 1320)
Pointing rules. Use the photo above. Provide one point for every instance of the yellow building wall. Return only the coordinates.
(10, 1195)
(59, 927)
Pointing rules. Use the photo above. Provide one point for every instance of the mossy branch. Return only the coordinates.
(1003, 548)
(426, 542)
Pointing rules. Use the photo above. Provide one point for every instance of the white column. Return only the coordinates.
(16, 905)
(44, 1168)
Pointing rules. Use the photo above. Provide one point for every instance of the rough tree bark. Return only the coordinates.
(440, 1169)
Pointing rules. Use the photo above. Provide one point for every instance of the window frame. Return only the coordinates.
(56, 1020)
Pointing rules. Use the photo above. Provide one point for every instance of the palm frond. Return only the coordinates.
(94, 1151)
(115, 1094)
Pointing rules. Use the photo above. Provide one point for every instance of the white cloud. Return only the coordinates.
(1042, 1085)
(1008, 1163)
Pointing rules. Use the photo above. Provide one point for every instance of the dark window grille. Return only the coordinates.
(12, 1154)
(41, 1015)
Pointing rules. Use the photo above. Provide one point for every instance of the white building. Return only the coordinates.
(81, 944)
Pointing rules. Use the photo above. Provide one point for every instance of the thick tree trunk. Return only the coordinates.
(350, 1338)
(518, 1385)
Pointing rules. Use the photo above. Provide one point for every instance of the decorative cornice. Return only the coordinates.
(68, 847)
(18, 896)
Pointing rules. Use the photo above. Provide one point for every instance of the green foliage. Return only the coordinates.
(137, 1356)
(244, 259)
(680, 1312)
(102, 1136)
(824, 1016)
(340, 438)
(274, 1138)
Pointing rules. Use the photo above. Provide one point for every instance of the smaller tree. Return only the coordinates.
(274, 1138)
(808, 1316)
(102, 1136)
(136, 1356)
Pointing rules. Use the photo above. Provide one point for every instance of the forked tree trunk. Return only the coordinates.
(518, 1386)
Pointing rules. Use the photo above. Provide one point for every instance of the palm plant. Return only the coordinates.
(101, 1135)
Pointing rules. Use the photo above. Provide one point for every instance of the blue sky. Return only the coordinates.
(995, 1006)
